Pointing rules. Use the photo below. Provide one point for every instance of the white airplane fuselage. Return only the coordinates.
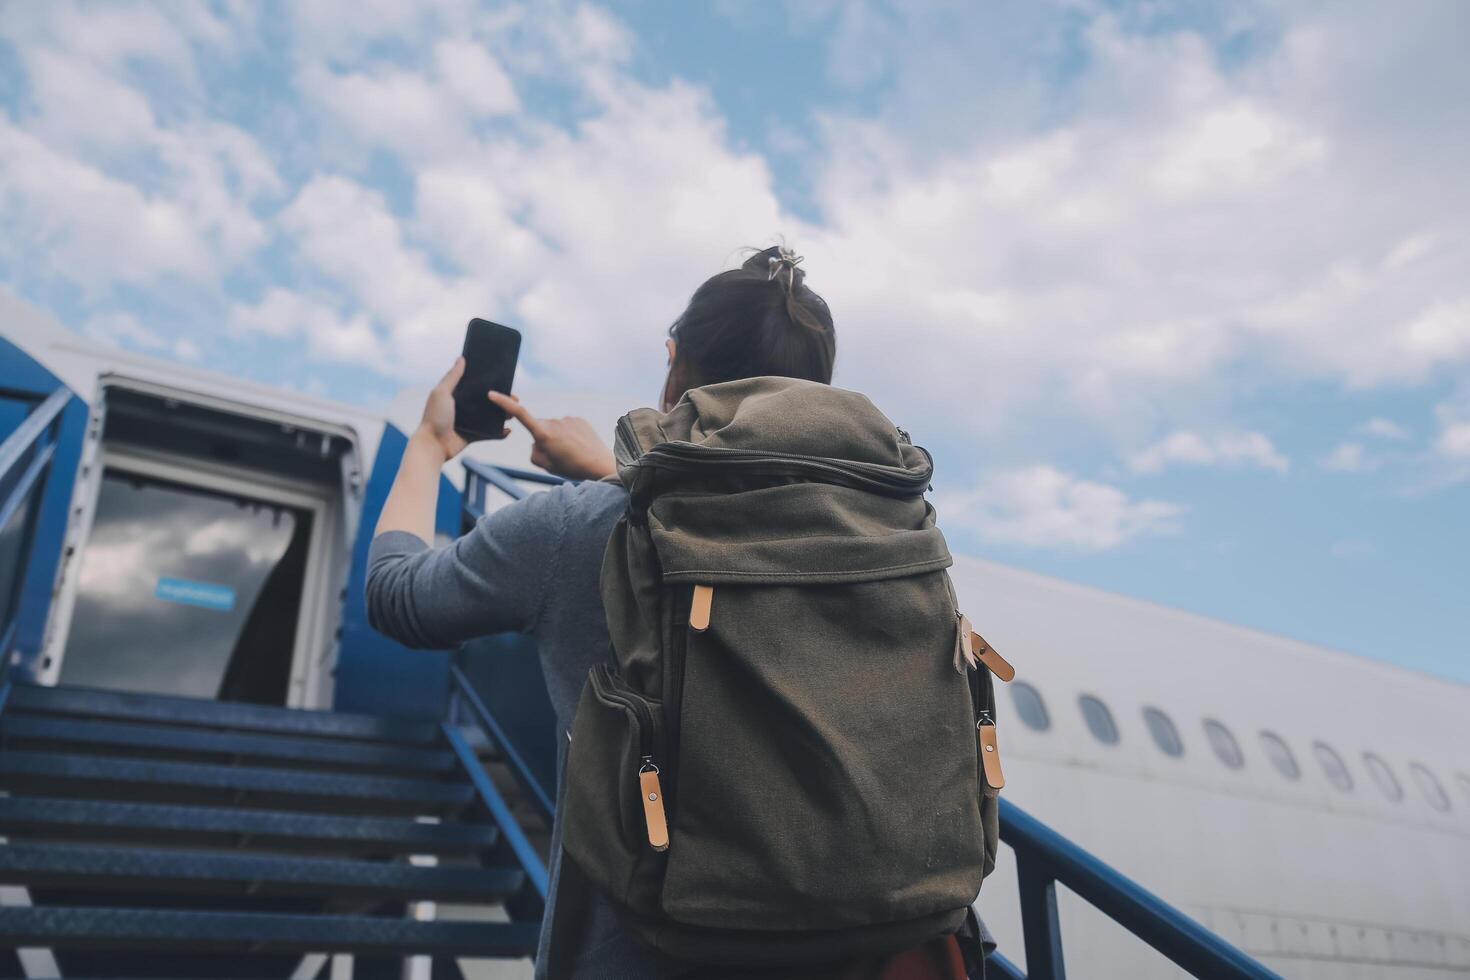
(1314, 880)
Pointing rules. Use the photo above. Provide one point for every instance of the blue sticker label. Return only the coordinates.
(206, 594)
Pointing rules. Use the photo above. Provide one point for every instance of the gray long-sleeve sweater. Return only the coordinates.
(531, 567)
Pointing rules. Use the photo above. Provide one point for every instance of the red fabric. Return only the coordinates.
(938, 959)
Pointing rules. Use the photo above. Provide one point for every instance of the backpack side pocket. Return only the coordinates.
(612, 828)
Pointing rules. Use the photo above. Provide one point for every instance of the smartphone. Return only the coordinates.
(490, 353)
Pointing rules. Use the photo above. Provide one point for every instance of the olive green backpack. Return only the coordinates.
(783, 764)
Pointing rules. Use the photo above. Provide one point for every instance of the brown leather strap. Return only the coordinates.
(704, 597)
(990, 757)
(986, 654)
(964, 656)
(653, 809)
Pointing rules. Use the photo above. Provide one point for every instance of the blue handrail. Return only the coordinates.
(25, 459)
(477, 477)
(503, 478)
(493, 730)
(1044, 857)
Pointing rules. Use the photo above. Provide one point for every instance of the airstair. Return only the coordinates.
(170, 836)
(165, 836)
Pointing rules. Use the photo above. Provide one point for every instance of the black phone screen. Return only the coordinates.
(490, 353)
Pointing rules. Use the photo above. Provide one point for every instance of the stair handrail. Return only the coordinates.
(25, 461)
(1044, 857)
(479, 476)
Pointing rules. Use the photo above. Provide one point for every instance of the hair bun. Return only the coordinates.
(778, 263)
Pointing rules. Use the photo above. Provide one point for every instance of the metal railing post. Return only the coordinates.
(1039, 920)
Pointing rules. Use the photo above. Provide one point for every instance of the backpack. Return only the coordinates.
(781, 765)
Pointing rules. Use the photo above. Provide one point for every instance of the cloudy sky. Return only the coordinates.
(1176, 293)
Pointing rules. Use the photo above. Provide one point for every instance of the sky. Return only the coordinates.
(1175, 293)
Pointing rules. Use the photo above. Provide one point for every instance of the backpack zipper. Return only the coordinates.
(650, 788)
(887, 480)
(648, 727)
(982, 689)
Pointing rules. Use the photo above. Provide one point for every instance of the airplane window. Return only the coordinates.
(1030, 706)
(1430, 787)
(1099, 719)
(1224, 744)
(1166, 736)
(1388, 783)
(1280, 755)
(1333, 766)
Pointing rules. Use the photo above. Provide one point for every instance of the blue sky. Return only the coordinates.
(1175, 292)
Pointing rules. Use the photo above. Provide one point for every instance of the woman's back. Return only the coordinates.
(531, 567)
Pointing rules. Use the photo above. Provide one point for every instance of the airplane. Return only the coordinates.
(1309, 806)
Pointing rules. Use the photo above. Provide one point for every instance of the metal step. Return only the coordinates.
(145, 869)
(255, 932)
(52, 732)
(77, 775)
(277, 829)
(163, 709)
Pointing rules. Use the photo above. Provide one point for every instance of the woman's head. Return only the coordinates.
(754, 321)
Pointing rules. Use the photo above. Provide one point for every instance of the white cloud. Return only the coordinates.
(475, 78)
(1237, 145)
(1382, 428)
(347, 234)
(329, 335)
(1453, 441)
(99, 189)
(1221, 449)
(1044, 507)
(1097, 251)
(1347, 457)
(120, 328)
(79, 223)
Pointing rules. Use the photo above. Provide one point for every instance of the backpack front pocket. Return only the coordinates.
(615, 827)
(825, 762)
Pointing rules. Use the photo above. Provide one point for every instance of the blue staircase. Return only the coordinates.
(211, 837)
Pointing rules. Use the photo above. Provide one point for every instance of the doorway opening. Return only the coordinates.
(187, 590)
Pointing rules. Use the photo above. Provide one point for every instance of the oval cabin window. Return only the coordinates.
(1029, 706)
(1333, 766)
(1433, 792)
(1280, 755)
(1099, 719)
(1166, 736)
(1383, 777)
(1227, 749)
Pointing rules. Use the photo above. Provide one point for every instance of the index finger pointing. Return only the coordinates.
(513, 408)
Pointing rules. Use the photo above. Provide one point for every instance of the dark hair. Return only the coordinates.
(760, 319)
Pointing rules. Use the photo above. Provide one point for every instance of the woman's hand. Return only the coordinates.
(568, 447)
(437, 425)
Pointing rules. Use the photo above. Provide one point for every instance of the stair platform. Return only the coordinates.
(171, 870)
(53, 732)
(78, 775)
(260, 932)
(165, 709)
(107, 820)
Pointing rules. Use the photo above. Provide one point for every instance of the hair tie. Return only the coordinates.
(784, 257)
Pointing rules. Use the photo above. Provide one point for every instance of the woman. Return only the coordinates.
(533, 567)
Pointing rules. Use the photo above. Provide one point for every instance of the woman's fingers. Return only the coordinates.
(452, 376)
(513, 407)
